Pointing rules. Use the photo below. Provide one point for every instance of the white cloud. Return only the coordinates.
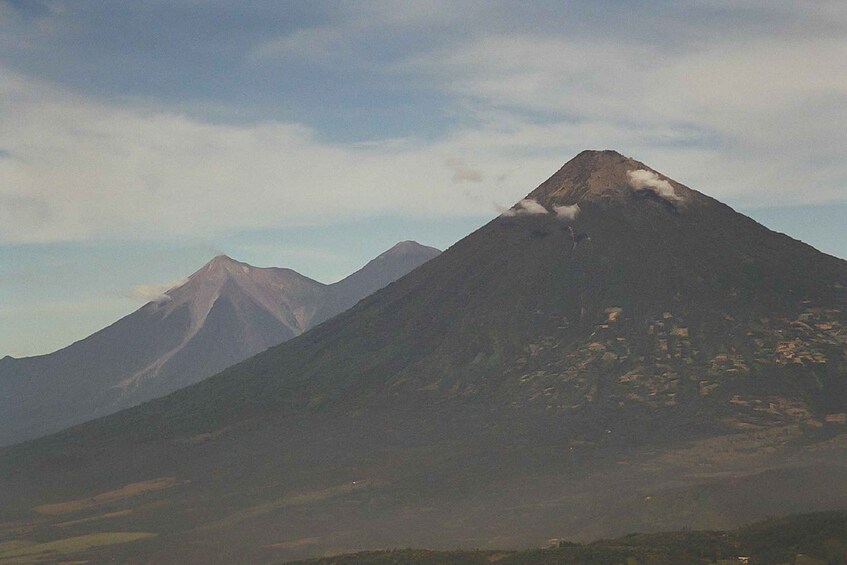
(156, 292)
(642, 179)
(739, 115)
(462, 172)
(567, 213)
(80, 169)
(526, 207)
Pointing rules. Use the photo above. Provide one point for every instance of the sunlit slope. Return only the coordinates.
(224, 313)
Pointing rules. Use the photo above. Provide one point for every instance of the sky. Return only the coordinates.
(140, 139)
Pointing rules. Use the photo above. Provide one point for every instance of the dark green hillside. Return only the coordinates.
(806, 539)
(657, 362)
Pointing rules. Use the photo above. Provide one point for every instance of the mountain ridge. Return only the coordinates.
(547, 228)
(223, 313)
(676, 366)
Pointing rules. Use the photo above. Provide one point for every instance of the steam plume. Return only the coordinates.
(643, 179)
(156, 292)
(526, 207)
(462, 172)
(568, 213)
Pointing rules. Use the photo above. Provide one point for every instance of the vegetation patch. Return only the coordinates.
(804, 539)
(14, 545)
(27, 552)
(293, 543)
(301, 499)
(127, 491)
(106, 516)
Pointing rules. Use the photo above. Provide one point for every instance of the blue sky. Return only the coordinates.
(137, 140)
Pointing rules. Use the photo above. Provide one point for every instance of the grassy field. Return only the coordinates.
(31, 552)
(127, 491)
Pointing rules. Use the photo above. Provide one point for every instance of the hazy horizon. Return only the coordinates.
(138, 141)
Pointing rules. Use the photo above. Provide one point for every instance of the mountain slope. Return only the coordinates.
(224, 313)
(647, 360)
(692, 290)
(804, 538)
(378, 273)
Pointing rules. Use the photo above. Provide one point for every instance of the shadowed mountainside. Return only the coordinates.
(648, 361)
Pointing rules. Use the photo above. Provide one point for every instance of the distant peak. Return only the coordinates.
(222, 259)
(597, 155)
(222, 264)
(409, 247)
(225, 262)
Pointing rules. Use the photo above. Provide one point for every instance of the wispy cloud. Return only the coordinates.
(712, 100)
(643, 179)
(567, 213)
(156, 292)
(310, 44)
(462, 172)
(526, 207)
(732, 116)
(118, 171)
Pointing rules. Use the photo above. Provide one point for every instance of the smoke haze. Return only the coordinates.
(462, 172)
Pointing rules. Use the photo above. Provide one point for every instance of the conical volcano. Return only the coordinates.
(223, 313)
(616, 352)
(667, 303)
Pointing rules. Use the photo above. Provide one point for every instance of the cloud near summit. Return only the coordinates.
(444, 97)
(155, 292)
(462, 172)
(81, 169)
(642, 179)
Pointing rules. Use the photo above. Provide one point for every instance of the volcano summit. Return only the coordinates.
(617, 353)
(224, 313)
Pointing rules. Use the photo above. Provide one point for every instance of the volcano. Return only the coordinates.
(224, 313)
(616, 353)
